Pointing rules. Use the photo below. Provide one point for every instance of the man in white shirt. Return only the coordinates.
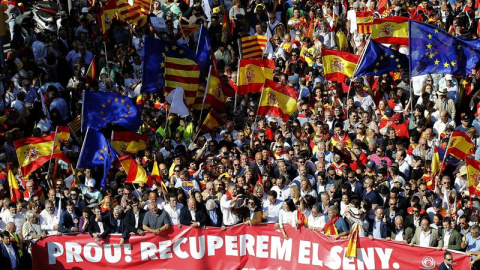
(173, 208)
(12, 216)
(272, 207)
(228, 203)
(440, 126)
(49, 218)
(316, 220)
(282, 190)
(400, 233)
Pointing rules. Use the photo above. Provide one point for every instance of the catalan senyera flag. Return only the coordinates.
(338, 65)
(459, 145)
(392, 30)
(33, 152)
(364, 22)
(473, 175)
(131, 14)
(212, 122)
(277, 100)
(128, 142)
(183, 73)
(135, 173)
(253, 73)
(15, 193)
(253, 46)
(143, 4)
(188, 30)
(352, 242)
(90, 76)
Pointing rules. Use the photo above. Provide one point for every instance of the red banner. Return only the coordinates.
(252, 247)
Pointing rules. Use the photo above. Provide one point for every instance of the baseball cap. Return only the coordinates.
(437, 203)
(395, 117)
(448, 77)
(370, 164)
(388, 112)
(383, 162)
(90, 183)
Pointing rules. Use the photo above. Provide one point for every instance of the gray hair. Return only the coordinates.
(316, 207)
(118, 208)
(29, 214)
(209, 184)
(333, 209)
(399, 218)
(323, 194)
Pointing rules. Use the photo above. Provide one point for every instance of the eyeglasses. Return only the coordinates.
(423, 190)
(176, 170)
(236, 165)
(296, 145)
(251, 115)
(416, 211)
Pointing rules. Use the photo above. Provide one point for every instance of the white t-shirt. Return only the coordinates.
(352, 17)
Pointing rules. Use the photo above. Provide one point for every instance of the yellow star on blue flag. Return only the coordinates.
(434, 51)
(373, 62)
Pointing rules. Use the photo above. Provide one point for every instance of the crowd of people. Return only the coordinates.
(355, 152)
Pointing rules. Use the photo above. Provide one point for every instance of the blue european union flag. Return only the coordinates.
(154, 62)
(96, 151)
(204, 56)
(450, 159)
(434, 51)
(379, 59)
(103, 108)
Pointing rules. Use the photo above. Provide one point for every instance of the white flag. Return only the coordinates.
(177, 105)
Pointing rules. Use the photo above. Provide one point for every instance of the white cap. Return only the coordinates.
(398, 108)
(90, 183)
(448, 77)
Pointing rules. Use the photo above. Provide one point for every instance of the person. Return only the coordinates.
(68, 219)
(378, 227)
(400, 232)
(425, 236)
(447, 263)
(228, 203)
(116, 222)
(335, 226)
(98, 225)
(316, 220)
(9, 257)
(193, 215)
(174, 209)
(287, 216)
(31, 231)
(49, 219)
(451, 238)
(471, 242)
(255, 212)
(156, 221)
(271, 207)
(133, 221)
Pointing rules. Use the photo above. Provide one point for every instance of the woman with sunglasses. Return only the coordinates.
(254, 213)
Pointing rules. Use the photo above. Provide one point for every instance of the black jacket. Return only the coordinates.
(200, 216)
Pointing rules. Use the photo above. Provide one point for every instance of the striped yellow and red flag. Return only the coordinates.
(364, 22)
(15, 193)
(338, 65)
(212, 122)
(131, 14)
(253, 73)
(90, 76)
(473, 175)
(188, 29)
(459, 145)
(128, 142)
(215, 95)
(157, 179)
(351, 250)
(135, 173)
(106, 15)
(33, 152)
(143, 4)
(392, 30)
(278, 100)
(183, 73)
(253, 46)
(63, 133)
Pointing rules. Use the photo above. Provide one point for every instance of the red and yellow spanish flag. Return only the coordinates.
(253, 46)
(106, 15)
(392, 30)
(215, 96)
(212, 122)
(157, 179)
(473, 175)
(183, 73)
(278, 100)
(90, 76)
(225, 27)
(253, 73)
(338, 65)
(135, 173)
(63, 133)
(15, 193)
(128, 142)
(364, 22)
(352, 242)
(33, 152)
(459, 145)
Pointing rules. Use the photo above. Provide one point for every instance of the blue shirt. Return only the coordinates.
(377, 233)
(472, 244)
(339, 224)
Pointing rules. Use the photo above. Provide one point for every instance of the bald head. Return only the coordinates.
(192, 204)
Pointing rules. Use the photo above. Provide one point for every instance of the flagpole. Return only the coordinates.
(206, 88)
(445, 155)
(83, 112)
(256, 116)
(51, 154)
(83, 147)
(106, 56)
(198, 43)
(238, 73)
